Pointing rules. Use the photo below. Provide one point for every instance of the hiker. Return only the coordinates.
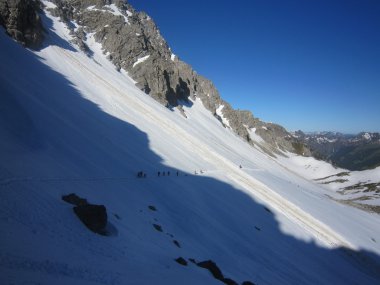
(177, 173)
(158, 173)
(240, 166)
(144, 175)
(139, 174)
(168, 173)
(201, 171)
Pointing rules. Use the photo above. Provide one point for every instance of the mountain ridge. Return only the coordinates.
(132, 41)
(353, 152)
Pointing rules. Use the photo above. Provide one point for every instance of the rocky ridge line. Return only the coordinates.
(352, 152)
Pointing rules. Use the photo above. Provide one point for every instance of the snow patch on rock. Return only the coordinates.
(255, 137)
(219, 112)
(141, 59)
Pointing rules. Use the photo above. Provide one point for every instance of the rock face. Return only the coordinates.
(21, 20)
(133, 42)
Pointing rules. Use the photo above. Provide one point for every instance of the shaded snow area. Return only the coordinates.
(220, 114)
(70, 123)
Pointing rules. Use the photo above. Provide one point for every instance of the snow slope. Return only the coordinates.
(71, 123)
(355, 186)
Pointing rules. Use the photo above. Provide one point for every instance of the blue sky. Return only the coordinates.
(306, 64)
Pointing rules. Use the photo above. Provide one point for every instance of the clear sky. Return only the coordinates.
(312, 65)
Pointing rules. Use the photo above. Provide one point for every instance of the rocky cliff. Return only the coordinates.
(133, 42)
(21, 20)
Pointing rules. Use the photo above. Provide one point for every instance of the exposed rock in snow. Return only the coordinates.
(93, 216)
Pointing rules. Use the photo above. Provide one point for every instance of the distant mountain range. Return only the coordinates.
(353, 152)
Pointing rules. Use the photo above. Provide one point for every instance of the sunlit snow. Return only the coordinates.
(141, 59)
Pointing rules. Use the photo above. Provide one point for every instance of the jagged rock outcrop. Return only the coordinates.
(132, 41)
(21, 20)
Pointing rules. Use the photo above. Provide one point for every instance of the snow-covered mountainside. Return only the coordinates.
(70, 122)
(132, 42)
(360, 189)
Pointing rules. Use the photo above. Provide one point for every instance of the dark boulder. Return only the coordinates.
(229, 281)
(93, 216)
(216, 272)
(152, 208)
(157, 227)
(74, 199)
(213, 268)
(181, 261)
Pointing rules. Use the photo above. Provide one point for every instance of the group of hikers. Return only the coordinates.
(142, 174)
(165, 173)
